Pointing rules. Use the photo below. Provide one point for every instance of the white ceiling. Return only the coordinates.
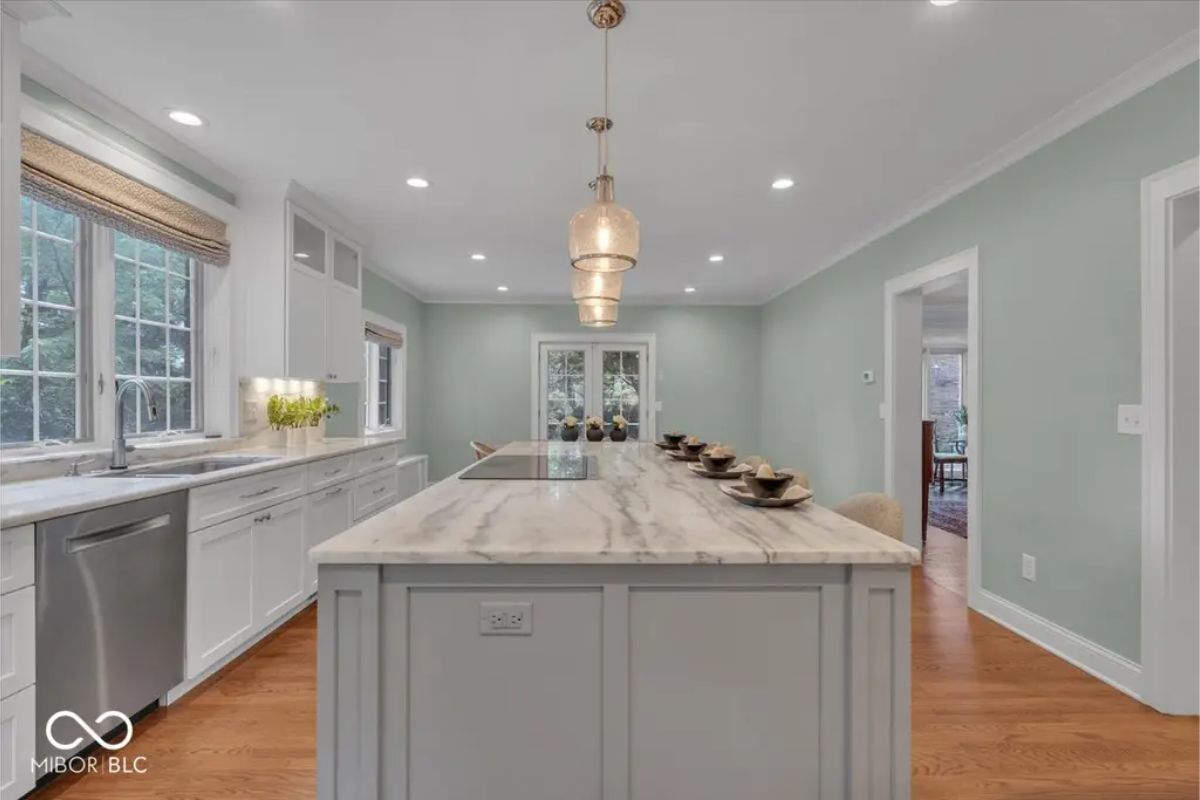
(870, 106)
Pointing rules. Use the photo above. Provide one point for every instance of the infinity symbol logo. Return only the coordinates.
(97, 738)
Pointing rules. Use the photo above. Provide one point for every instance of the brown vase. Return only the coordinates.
(595, 434)
(618, 434)
(570, 434)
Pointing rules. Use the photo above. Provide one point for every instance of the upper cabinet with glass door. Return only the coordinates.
(307, 241)
(346, 264)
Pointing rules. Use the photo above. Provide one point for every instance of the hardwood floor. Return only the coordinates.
(994, 718)
(945, 560)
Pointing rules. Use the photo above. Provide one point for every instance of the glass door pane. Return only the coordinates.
(564, 386)
(622, 379)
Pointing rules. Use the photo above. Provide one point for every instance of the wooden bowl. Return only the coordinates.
(674, 439)
(716, 464)
(768, 487)
(693, 449)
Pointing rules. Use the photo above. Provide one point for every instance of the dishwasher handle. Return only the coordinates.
(91, 539)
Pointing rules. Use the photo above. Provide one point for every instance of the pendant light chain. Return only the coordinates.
(602, 144)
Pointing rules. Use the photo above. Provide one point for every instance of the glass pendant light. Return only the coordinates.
(604, 236)
(595, 288)
(602, 314)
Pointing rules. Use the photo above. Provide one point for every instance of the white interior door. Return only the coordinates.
(583, 379)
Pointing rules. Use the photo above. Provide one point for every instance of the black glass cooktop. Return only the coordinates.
(571, 466)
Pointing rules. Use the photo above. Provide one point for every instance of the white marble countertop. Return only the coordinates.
(31, 501)
(644, 508)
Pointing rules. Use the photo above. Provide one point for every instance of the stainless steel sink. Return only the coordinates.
(184, 468)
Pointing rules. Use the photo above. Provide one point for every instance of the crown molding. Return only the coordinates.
(1183, 51)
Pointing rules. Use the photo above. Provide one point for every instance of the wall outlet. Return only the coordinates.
(506, 619)
(1129, 419)
(1028, 567)
(250, 412)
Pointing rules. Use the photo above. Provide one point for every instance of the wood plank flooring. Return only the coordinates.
(994, 718)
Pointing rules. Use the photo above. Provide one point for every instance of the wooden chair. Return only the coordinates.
(875, 510)
(481, 449)
(956, 454)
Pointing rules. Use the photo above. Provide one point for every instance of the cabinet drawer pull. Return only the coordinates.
(332, 472)
(380, 490)
(335, 492)
(260, 493)
(263, 517)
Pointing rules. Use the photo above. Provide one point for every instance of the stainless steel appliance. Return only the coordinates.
(111, 610)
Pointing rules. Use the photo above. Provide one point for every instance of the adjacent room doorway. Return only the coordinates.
(591, 375)
(931, 325)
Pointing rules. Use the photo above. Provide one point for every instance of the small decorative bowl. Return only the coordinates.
(674, 439)
(768, 487)
(716, 464)
(693, 449)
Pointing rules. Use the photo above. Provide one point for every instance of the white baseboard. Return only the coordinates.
(1114, 669)
(179, 691)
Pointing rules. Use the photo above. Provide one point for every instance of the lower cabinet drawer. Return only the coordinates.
(17, 644)
(375, 492)
(218, 502)
(376, 458)
(17, 739)
(16, 558)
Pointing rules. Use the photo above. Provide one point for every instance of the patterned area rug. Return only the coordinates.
(949, 511)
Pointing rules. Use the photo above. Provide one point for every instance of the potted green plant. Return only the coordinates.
(569, 429)
(316, 411)
(620, 429)
(595, 429)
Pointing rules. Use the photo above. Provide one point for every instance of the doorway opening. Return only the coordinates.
(1171, 439)
(931, 400)
(589, 375)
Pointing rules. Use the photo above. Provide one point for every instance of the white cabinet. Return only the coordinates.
(17, 643)
(10, 185)
(324, 306)
(411, 477)
(329, 512)
(306, 330)
(17, 732)
(220, 592)
(279, 555)
(374, 492)
(16, 558)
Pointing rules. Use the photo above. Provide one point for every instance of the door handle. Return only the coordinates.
(103, 536)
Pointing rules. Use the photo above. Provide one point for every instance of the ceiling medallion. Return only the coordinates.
(603, 238)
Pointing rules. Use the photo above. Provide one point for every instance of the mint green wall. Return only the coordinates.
(479, 386)
(384, 297)
(1059, 246)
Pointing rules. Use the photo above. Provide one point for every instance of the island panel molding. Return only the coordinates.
(639, 680)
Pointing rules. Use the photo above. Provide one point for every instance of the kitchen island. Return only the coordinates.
(636, 634)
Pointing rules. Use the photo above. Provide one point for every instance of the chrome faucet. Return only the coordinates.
(119, 448)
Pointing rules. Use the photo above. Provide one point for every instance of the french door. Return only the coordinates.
(604, 379)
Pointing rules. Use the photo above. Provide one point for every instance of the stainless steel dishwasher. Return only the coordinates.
(111, 610)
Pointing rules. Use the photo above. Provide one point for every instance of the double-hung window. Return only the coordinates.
(41, 387)
(96, 301)
(383, 381)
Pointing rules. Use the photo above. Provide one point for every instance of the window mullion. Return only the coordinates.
(103, 303)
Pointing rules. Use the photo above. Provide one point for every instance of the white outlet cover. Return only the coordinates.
(1028, 567)
(1129, 419)
(868, 376)
(506, 618)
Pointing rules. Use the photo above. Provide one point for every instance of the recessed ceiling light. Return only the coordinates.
(301, 256)
(715, 257)
(478, 257)
(418, 183)
(782, 183)
(501, 288)
(943, 2)
(689, 289)
(185, 118)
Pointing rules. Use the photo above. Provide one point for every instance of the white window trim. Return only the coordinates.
(398, 383)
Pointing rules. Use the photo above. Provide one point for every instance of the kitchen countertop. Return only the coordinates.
(36, 500)
(644, 508)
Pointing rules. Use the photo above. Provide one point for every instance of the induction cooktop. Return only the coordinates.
(570, 466)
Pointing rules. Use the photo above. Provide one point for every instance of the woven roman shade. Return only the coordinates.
(381, 335)
(62, 177)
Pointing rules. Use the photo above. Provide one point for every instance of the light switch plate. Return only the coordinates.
(868, 376)
(658, 405)
(1129, 419)
(1028, 567)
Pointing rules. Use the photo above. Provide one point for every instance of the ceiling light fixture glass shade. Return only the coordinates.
(602, 314)
(604, 237)
(595, 288)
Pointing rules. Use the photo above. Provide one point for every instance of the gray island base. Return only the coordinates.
(470, 648)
